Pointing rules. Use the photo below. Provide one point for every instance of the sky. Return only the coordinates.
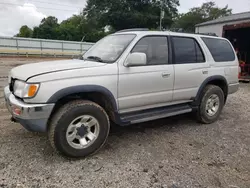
(15, 13)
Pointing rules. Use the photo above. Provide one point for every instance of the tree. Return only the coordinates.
(70, 29)
(100, 18)
(123, 14)
(47, 29)
(208, 11)
(78, 27)
(36, 31)
(25, 31)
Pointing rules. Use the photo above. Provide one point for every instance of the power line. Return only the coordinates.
(12, 4)
(53, 3)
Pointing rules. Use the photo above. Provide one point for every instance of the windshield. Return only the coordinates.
(109, 49)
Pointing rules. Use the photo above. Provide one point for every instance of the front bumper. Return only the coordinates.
(33, 117)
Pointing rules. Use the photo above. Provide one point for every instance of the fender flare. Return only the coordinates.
(205, 83)
(83, 89)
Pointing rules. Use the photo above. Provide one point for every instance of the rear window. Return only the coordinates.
(220, 49)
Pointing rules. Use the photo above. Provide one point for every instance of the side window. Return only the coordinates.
(187, 50)
(220, 49)
(155, 48)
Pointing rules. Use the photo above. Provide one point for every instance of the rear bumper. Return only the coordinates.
(33, 117)
(232, 88)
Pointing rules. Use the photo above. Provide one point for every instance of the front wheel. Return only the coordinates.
(212, 102)
(79, 128)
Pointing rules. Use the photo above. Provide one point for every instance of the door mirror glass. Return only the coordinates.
(136, 59)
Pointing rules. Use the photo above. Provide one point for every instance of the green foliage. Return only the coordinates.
(25, 31)
(123, 14)
(71, 29)
(101, 17)
(75, 28)
(47, 28)
(208, 11)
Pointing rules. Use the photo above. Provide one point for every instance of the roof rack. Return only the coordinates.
(180, 30)
(210, 34)
(133, 29)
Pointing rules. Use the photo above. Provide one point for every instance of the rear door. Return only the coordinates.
(190, 65)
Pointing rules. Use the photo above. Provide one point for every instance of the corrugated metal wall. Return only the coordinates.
(42, 47)
(216, 28)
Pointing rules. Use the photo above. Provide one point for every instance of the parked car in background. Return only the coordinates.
(127, 77)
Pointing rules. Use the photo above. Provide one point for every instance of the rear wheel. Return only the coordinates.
(211, 105)
(79, 128)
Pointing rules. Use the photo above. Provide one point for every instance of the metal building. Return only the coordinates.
(220, 25)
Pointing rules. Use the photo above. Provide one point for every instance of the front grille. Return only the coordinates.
(12, 81)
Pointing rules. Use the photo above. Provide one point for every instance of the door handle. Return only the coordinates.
(204, 71)
(165, 74)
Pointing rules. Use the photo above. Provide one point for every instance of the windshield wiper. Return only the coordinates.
(96, 58)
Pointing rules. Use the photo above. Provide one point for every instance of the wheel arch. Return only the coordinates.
(217, 80)
(94, 93)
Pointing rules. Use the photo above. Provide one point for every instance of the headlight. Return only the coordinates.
(25, 90)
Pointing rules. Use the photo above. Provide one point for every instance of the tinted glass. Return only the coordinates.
(199, 53)
(156, 49)
(220, 49)
(187, 51)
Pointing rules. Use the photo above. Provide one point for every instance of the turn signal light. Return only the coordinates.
(32, 90)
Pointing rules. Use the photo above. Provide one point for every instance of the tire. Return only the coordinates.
(209, 116)
(66, 118)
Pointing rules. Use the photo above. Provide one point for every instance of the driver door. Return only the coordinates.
(151, 85)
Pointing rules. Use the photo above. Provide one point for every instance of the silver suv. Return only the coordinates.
(127, 77)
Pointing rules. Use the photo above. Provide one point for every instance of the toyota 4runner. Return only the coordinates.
(127, 77)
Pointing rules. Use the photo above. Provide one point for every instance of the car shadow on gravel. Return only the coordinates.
(169, 124)
(117, 136)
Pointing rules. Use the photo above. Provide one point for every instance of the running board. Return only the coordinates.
(156, 113)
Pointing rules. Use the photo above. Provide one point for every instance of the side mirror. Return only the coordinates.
(136, 59)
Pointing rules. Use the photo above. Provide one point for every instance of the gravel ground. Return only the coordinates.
(175, 152)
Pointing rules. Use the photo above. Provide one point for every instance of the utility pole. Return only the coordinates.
(161, 14)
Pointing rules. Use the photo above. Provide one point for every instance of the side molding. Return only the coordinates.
(83, 89)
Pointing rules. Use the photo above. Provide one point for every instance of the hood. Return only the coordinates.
(24, 72)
